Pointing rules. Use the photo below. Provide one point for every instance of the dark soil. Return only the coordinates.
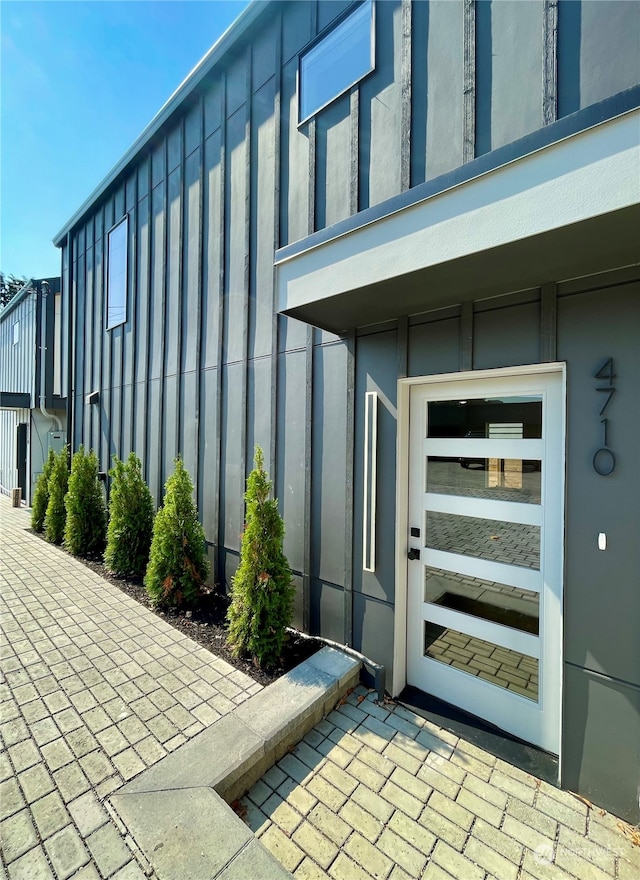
(206, 624)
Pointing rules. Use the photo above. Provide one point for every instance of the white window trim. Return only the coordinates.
(316, 41)
(125, 221)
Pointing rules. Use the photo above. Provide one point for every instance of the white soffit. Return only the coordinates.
(590, 174)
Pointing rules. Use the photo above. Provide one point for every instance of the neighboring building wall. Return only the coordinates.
(18, 346)
(9, 421)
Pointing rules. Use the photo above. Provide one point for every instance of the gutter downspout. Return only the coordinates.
(44, 292)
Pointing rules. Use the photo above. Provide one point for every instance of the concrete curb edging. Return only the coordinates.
(176, 812)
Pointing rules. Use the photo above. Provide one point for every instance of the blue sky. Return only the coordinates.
(79, 82)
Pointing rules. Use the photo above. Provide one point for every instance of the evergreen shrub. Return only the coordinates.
(41, 494)
(85, 527)
(178, 566)
(130, 519)
(262, 590)
(56, 514)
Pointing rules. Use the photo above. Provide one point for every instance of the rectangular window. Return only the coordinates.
(16, 332)
(336, 61)
(117, 275)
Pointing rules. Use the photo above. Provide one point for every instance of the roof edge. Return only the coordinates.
(229, 38)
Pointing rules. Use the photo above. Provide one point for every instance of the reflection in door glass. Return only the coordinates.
(492, 539)
(502, 667)
(500, 479)
(509, 606)
(498, 418)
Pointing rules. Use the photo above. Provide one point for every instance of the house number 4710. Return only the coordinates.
(604, 461)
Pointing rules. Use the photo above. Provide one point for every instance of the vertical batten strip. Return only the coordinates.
(370, 481)
(466, 336)
(134, 311)
(550, 69)
(277, 134)
(163, 306)
(548, 322)
(403, 346)
(218, 568)
(354, 123)
(405, 145)
(350, 343)
(247, 277)
(147, 383)
(197, 476)
(182, 245)
(469, 82)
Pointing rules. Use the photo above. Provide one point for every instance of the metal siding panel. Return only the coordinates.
(170, 420)
(118, 206)
(296, 28)
(262, 218)
(434, 347)
(208, 454)
(232, 472)
(373, 631)
(506, 337)
(329, 464)
(116, 409)
(127, 419)
(601, 717)
(156, 321)
(191, 265)
(445, 78)
(291, 452)
(236, 85)
(294, 163)
(192, 128)
(154, 435)
(598, 51)
(98, 314)
(141, 424)
(259, 410)
(376, 370)
(327, 610)
(143, 178)
(213, 108)
(158, 165)
(103, 439)
(263, 64)
(79, 341)
(174, 148)
(602, 612)
(236, 202)
(142, 292)
(381, 112)
(212, 257)
(188, 434)
(333, 163)
(130, 193)
(510, 71)
(174, 286)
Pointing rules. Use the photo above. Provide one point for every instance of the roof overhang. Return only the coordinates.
(568, 209)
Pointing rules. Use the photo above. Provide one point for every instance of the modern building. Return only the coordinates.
(397, 245)
(32, 408)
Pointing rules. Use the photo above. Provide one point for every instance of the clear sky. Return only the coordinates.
(80, 80)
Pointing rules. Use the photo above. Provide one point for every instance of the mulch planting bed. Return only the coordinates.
(206, 624)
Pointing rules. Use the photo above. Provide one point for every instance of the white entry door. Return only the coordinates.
(484, 567)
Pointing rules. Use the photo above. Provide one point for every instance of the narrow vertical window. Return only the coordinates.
(16, 332)
(336, 60)
(117, 275)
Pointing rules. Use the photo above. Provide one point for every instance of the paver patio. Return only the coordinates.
(96, 688)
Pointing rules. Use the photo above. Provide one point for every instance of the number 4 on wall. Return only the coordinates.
(606, 372)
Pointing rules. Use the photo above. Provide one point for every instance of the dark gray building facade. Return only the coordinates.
(417, 287)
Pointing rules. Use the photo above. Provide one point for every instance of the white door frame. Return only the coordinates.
(402, 495)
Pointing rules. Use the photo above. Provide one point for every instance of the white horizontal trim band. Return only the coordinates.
(507, 511)
(496, 572)
(476, 627)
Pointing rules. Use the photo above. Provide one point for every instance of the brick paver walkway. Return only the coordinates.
(380, 792)
(95, 689)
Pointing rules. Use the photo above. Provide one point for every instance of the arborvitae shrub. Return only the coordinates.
(262, 590)
(130, 519)
(85, 528)
(41, 494)
(177, 566)
(56, 513)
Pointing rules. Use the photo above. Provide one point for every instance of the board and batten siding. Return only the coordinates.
(204, 366)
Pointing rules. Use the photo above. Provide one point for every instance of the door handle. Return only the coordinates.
(414, 553)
